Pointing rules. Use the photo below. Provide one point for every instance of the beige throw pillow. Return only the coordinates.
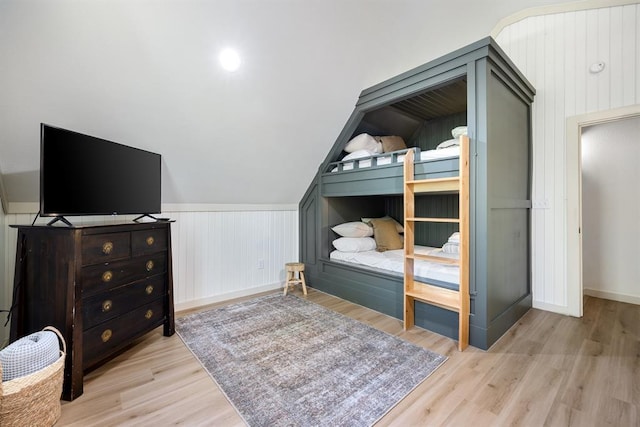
(386, 235)
(391, 143)
(399, 226)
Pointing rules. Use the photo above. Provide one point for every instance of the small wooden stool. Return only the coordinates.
(292, 268)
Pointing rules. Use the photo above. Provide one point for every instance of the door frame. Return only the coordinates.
(574, 126)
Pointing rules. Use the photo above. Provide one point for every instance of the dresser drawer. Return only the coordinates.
(116, 333)
(148, 241)
(105, 247)
(103, 277)
(120, 300)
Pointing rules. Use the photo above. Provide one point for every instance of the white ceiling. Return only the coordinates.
(145, 73)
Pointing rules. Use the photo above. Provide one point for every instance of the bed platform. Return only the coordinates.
(385, 177)
(445, 274)
(476, 88)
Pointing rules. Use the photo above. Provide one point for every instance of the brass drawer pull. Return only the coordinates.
(150, 240)
(106, 335)
(149, 289)
(148, 314)
(107, 276)
(107, 248)
(107, 305)
(149, 265)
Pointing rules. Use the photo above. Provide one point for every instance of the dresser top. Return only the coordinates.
(97, 226)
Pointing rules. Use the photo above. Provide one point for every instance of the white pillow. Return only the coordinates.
(355, 244)
(353, 229)
(358, 154)
(451, 248)
(459, 131)
(364, 141)
(399, 227)
(448, 143)
(454, 238)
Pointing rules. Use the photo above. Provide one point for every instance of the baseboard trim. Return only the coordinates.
(613, 296)
(554, 308)
(201, 302)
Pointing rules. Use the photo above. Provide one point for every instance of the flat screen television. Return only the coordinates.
(85, 175)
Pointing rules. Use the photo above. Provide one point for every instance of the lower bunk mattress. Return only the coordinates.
(445, 275)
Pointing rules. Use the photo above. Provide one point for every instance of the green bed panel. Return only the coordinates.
(378, 291)
(508, 268)
(508, 142)
(382, 180)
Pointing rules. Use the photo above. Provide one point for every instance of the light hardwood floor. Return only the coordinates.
(548, 369)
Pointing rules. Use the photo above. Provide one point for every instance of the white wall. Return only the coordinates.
(555, 51)
(611, 210)
(145, 73)
(217, 254)
(5, 283)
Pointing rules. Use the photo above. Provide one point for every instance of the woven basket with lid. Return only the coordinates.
(34, 399)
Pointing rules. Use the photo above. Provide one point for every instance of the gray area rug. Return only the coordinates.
(284, 361)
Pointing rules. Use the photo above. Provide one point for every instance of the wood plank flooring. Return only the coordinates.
(548, 370)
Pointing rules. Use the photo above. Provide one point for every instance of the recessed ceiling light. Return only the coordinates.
(229, 59)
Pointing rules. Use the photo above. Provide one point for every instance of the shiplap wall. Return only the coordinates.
(555, 52)
(217, 255)
(221, 255)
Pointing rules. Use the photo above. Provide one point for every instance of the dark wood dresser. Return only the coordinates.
(102, 286)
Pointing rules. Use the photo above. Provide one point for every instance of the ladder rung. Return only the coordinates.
(424, 219)
(434, 180)
(435, 184)
(434, 258)
(442, 297)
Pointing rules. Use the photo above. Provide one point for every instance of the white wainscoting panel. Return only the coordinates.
(555, 52)
(9, 255)
(216, 255)
(220, 255)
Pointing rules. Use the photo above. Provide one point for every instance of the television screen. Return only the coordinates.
(85, 175)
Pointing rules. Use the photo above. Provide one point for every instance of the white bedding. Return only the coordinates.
(394, 261)
(385, 160)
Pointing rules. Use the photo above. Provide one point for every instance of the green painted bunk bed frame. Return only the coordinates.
(478, 85)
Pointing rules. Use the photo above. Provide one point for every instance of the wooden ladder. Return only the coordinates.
(414, 290)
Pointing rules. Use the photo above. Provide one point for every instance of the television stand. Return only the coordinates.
(61, 219)
(103, 286)
(137, 219)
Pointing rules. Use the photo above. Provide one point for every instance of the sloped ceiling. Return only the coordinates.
(145, 73)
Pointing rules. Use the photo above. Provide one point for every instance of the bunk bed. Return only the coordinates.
(476, 88)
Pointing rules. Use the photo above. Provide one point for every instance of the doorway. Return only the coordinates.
(576, 126)
(611, 210)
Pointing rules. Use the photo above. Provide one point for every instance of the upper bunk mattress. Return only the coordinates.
(442, 153)
(393, 261)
